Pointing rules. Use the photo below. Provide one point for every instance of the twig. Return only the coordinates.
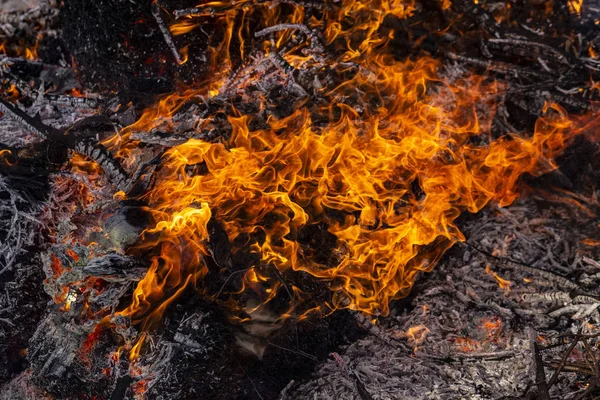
(496, 66)
(315, 41)
(252, 382)
(507, 263)
(526, 43)
(34, 126)
(302, 3)
(360, 387)
(111, 166)
(563, 362)
(165, 32)
(540, 375)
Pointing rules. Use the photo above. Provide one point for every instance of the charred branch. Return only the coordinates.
(156, 13)
(111, 166)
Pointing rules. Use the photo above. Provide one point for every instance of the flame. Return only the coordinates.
(416, 335)
(467, 345)
(502, 283)
(387, 181)
(575, 6)
(137, 347)
(20, 49)
(89, 343)
(81, 164)
(183, 27)
(491, 325)
(13, 93)
(591, 242)
(184, 55)
(5, 154)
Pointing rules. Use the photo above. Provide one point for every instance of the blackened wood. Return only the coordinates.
(111, 166)
(540, 375)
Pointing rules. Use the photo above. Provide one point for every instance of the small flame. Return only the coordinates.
(502, 283)
(134, 353)
(575, 6)
(591, 242)
(184, 55)
(491, 325)
(183, 27)
(416, 335)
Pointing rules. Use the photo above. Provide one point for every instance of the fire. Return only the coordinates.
(89, 343)
(20, 49)
(135, 350)
(416, 335)
(491, 326)
(591, 242)
(502, 283)
(388, 180)
(81, 164)
(184, 55)
(181, 28)
(575, 6)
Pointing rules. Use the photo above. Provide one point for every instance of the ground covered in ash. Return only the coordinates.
(470, 327)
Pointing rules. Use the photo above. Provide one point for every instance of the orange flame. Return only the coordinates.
(575, 6)
(502, 283)
(416, 335)
(137, 347)
(183, 27)
(356, 174)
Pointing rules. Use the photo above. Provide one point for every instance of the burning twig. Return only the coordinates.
(165, 32)
(112, 167)
(504, 262)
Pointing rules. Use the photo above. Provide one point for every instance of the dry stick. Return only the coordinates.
(111, 166)
(563, 362)
(360, 387)
(36, 127)
(302, 3)
(540, 376)
(165, 32)
(590, 387)
(280, 63)
(16, 17)
(315, 41)
(594, 361)
(495, 66)
(506, 263)
(252, 382)
(192, 12)
(526, 43)
(497, 355)
(206, 11)
(592, 356)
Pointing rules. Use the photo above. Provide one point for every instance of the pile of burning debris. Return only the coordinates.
(370, 199)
